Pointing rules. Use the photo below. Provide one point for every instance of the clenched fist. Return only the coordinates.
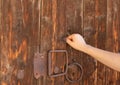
(76, 41)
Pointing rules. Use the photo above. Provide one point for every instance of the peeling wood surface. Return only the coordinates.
(28, 26)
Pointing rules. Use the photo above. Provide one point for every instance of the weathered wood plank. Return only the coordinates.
(46, 30)
(74, 24)
(52, 31)
(16, 55)
(60, 30)
(20, 21)
(118, 32)
(100, 36)
(112, 36)
(0, 35)
(89, 35)
(35, 32)
(5, 66)
(58, 13)
(30, 12)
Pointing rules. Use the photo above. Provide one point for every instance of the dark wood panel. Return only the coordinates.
(46, 30)
(112, 36)
(90, 37)
(100, 36)
(118, 30)
(59, 31)
(74, 24)
(52, 32)
(0, 36)
(28, 26)
(16, 53)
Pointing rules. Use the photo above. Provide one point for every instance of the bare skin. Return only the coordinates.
(109, 59)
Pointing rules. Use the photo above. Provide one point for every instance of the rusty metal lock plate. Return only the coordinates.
(39, 65)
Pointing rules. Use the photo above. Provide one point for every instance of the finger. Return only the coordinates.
(70, 37)
(69, 41)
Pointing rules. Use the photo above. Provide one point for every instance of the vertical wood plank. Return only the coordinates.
(35, 38)
(74, 24)
(46, 35)
(52, 31)
(21, 20)
(30, 22)
(100, 25)
(16, 53)
(59, 30)
(0, 35)
(112, 36)
(5, 67)
(90, 37)
(118, 30)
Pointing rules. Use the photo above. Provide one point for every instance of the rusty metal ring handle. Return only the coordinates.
(80, 67)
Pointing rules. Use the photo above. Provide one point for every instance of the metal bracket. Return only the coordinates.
(39, 65)
(56, 74)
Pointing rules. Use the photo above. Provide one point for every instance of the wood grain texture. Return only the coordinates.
(46, 35)
(112, 36)
(118, 30)
(100, 37)
(52, 32)
(16, 53)
(0, 35)
(90, 37)
(74, 24)
(28, 26)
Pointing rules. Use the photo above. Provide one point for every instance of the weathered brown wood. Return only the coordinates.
(74, 24)
(112, 36)
(5, 43)
(46, 35)
(100, 37)
(52, 31)
(118, 25)
(89, 35)
(27, 24)
(16, 54)
(60, 21)
(0, 36)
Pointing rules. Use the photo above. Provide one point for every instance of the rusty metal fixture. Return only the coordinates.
(39, 65)
(70, 78)
(20, 74)
(56, 69)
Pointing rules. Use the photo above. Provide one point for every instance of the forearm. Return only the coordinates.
(110, 59)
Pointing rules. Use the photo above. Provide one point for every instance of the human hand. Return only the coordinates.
(76, 41)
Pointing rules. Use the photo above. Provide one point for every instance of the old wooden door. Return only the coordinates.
(30, 26)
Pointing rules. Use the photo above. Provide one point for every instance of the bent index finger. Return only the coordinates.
(70, 37)
(69, 41)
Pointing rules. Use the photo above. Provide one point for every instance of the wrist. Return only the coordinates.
(82, 48)
(89, 49)
(85, 48)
